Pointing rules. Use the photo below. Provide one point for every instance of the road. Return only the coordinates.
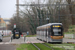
(6, 39)
(7, 46)
(34, 40)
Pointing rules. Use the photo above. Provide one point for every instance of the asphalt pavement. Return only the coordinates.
(7, 47)
(6, 39)
(4, 46)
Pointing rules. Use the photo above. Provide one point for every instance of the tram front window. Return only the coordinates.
(57, 32)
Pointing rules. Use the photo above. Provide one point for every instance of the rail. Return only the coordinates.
(46, 46)
(34, 45)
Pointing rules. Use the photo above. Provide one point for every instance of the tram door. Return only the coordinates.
(46, 35)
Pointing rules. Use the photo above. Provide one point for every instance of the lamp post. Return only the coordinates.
(47, 16)
(47, 20)
(17, 1)
(58, 8)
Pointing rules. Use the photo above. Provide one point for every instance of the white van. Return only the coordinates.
(1, 37)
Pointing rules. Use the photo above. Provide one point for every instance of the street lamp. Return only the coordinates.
(58, 8)
(47, 20)
(47, 16)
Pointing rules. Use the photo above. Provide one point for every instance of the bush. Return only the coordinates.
(71, 29)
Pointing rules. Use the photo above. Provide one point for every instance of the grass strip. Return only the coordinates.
(66, 46)
(54, 47)
(26, 47)
(31, 36)
(68, 33)
(42, 47)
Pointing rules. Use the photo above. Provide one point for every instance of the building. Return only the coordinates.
(6, 20)
(3, 23)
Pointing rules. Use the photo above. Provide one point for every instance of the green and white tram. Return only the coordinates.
(52, 32)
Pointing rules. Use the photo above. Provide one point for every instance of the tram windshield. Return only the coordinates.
(57, 31)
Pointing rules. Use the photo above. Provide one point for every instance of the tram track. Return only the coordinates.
(41, 46)
(46, 45)
(34, 45)
(55, 44)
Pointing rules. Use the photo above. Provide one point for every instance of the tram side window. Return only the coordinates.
(39, 32)
(49, 30)
(46, 32)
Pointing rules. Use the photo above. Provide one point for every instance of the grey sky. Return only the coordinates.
(8, 7)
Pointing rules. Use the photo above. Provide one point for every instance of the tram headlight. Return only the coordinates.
(53, 26)
(62, 36)
(51, 36)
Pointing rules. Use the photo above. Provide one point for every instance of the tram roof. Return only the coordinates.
(49, 24)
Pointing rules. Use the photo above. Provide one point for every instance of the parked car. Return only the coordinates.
(1, 37)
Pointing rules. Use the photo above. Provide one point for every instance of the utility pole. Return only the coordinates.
(47, 17)
(17, 11)
(17, 8)
(58, 9)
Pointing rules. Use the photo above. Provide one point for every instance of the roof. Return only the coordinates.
(6, 19)
(49, 24)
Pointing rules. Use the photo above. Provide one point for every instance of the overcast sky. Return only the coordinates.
(8, 8)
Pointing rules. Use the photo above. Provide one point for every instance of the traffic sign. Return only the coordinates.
(14, 25)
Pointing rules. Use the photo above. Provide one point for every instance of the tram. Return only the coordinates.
(16, 33)
(52, 32)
